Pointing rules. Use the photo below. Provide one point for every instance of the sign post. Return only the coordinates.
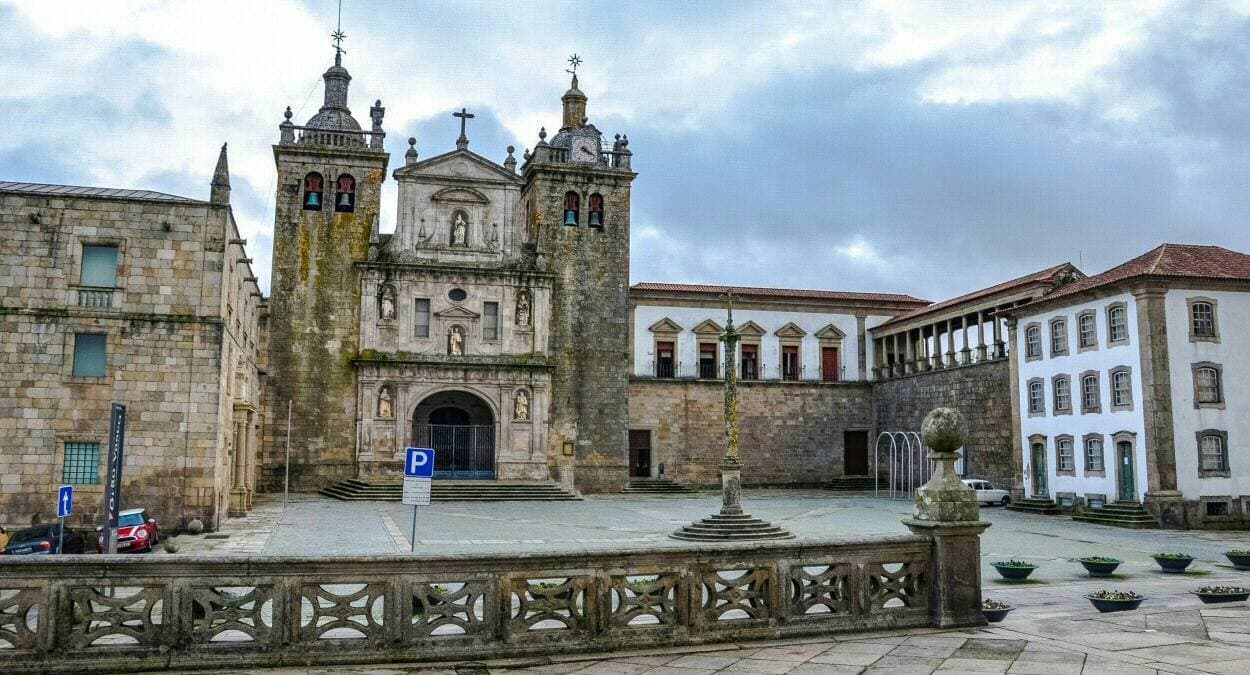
(113, 482)
(418, 473)
(64, 508)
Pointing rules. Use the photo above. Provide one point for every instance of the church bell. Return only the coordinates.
(594, 219)
(570, 217)
(345, 199)
(313, 200)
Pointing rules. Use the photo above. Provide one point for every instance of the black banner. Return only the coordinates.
(113, 481)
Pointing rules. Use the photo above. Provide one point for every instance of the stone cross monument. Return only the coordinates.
(731, 523)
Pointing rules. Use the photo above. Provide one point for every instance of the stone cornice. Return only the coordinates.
(81, 313)
(446, 268)
(372, 358)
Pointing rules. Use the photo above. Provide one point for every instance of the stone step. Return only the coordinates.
(1119, 514)
(1034, 505)
(451, 490)
(655, 486)
(852, 484)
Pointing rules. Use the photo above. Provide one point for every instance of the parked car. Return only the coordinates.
(41, 540)
(987, 493)
(136, 532)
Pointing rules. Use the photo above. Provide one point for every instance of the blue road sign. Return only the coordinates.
(419, 463)
(65, 501)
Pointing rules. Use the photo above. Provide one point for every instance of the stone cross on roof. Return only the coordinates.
(464, 115)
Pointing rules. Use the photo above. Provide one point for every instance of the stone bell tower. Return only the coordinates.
(576, 203)
(330, 173)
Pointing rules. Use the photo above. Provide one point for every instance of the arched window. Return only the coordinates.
(1033, 342)
(596, 211)
(1117, 324)
(572, 205)
(345, 193)
(314, 191)
(1088, 333)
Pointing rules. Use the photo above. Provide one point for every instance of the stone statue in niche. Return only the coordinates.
(386, 408)
(455, 341)
(523, 308)
(459, 231)
(521, 407)
(387, 309)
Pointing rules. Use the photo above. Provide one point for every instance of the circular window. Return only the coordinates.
(457, 294)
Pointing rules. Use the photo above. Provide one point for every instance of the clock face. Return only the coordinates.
(584, 149)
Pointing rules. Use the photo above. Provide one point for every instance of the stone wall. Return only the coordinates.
(982, 392)
(791, 433)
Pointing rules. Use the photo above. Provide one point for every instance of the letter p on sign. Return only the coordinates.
(419, 463)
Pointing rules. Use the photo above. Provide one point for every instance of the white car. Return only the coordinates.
(987, 493)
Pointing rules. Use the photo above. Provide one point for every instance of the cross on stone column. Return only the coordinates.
(464, 115)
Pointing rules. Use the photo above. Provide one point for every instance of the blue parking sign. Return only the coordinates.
(65, 501)
(419, 463)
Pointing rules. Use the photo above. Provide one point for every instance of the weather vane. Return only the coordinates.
(574, 61)
(338, 35)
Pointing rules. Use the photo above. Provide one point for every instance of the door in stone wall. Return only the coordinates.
(855, 453)
(639, 453)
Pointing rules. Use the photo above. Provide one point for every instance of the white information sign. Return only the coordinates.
(416, 491)
(418, 472)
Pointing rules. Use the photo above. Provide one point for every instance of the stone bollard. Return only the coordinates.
(947, 511)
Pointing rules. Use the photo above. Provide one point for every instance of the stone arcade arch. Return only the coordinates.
(462, 428)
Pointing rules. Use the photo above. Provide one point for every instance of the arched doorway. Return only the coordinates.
(461, 428)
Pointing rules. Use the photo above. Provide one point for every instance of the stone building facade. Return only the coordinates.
(135, 297)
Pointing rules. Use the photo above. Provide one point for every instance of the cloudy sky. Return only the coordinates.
(920, 147)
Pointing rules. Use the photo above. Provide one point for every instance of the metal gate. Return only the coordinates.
(460, 451)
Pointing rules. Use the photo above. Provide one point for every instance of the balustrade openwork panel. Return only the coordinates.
(102, 612)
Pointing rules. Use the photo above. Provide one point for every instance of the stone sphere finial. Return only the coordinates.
(511, 149)
(542, 133)
(288, 114)
(944, 430)
(412, 140)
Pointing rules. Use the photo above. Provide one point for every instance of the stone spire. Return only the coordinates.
(220, 191)
(334, 114)
(574, 107)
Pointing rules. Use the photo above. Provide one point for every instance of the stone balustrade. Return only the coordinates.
(84, 613)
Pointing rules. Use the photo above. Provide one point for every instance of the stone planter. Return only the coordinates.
(1223, 595)
(996, 615)
(1106, 605)
(1099, 568)
(1239, 559)
(1173, 565)
(1014, 572)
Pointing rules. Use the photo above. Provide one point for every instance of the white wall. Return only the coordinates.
(770, 351)
(1233, 319)
(1107, 423)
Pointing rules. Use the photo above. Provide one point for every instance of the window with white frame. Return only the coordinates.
(1121, 388)
(490, 321)
(421, 321)
(1093, 454)
(1202, 319)
(1033, 342)
(1207, 384)
(1212, 452)
(1063, 394)
(1058, 337)
(1091, 400)
(1066, 461)
(1117, 324)
(1037, 398)
(1087, 331)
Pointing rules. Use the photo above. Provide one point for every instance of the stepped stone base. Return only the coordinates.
(452, 491)
(1119, 514)
(655, 486)
(721, 527)
(853, 484)
(1037, 505)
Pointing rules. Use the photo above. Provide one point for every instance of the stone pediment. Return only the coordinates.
(462, 164)
(709, 327)
(830, 332)
(457, 312)
(751, 329)
(665, 325)
(790, 330)
(460, 195)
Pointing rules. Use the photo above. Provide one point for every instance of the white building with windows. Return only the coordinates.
(1129, 389)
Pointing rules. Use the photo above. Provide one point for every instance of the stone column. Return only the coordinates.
(965, 354)
(249, 453)
(947, 512)
(1017, 443)
(950, 343)
(980, 336)
(939, 355)
(1162, 498)
(906, 356)
(861, 345)
(998, 337)
(238, 492)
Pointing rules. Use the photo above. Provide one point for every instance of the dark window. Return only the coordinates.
(314, 191)
(457, 294)
(572, 206)
(1217, 508)
(829, 364)
(1203, 319)
(790, 363)
(707, 360)
(421, 327)
(89, 355)
(750, 362)
(664, 363)
(345, 197)
(596, 210)
(82, 464)
(490, 321)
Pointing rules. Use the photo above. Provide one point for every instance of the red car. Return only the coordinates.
(136, 532)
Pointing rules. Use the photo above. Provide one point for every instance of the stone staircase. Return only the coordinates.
(356, 490)
(655, 486)
(1035, 505)
(852, 484)
(741, 527)
(1119, 514)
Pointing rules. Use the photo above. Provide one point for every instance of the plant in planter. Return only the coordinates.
(434, 596)
(1215, 594)
(995, 611)
(1173, 563)
(1115, 601)
(1014, 570)
(1099, 566)
(1240, 558)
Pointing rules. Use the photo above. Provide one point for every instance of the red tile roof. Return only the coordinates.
(1042, 277)
(1185, 261)
(752, 291)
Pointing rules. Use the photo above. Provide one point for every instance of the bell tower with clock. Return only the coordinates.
(577, 195)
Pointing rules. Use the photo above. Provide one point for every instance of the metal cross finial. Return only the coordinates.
(574, 61)
(338, 36)
(464, 116)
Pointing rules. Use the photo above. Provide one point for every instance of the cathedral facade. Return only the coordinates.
(490, 325)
